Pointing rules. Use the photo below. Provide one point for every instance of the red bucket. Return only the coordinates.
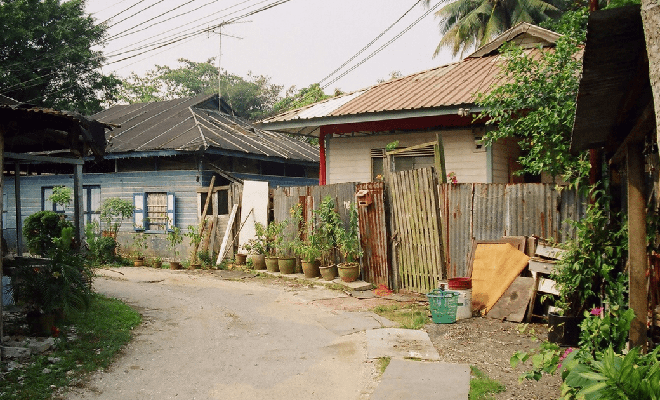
(459, 283)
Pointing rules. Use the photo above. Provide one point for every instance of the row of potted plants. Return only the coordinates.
(316, 242)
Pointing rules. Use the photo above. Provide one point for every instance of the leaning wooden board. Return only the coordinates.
(513, 303)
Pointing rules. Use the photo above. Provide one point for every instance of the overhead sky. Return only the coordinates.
(298, 42)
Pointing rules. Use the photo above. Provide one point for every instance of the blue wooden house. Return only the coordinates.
(162, 156)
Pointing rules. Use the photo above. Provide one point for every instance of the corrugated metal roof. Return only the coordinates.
(441, 88)
(611, 94)
(189, 124)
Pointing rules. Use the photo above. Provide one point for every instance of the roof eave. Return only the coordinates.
(293, 126)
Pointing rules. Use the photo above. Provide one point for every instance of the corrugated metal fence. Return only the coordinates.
(488, 211)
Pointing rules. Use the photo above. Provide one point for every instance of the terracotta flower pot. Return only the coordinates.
(240, 258)
(287, 265)
(349, 272)
(329, 273)
(175, 265)
(311, 269)
(258, 261)
(138, 262)
(157, 264)
(271, 264)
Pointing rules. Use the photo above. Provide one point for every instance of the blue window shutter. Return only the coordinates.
(171, 211)
(140, 211)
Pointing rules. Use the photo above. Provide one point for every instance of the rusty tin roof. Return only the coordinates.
(194, 124)
(437, 91)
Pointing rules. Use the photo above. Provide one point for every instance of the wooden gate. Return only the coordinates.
(416, 229)
(373, 235)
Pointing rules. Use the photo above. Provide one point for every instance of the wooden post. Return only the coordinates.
(637, 257)
(439, 150)
(202, 223)
(78, 213)
(390, 223)
(19, 219)
(2, 185)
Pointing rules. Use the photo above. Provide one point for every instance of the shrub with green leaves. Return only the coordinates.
(41, 228)
(102, 249)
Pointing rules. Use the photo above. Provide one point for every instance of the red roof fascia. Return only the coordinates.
(406, 124)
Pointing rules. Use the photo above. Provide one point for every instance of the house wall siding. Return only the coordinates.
(349, 158)
(122, 184)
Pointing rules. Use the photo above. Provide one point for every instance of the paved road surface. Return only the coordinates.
(208, 338)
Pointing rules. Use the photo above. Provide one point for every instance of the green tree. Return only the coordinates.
(251, 97)
(536, 104)
(46, 55)
(305, 96)
(467, 24)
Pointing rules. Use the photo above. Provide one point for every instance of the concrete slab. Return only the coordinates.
(407, 379)
(400, 343)
(346, 323)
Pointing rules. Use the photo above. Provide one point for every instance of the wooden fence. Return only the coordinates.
(424, 232)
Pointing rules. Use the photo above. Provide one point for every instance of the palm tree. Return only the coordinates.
(467, 24)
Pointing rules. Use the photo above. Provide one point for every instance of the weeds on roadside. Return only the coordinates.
(383, 362)
(481, 386)
(410, 316)
(100, 332)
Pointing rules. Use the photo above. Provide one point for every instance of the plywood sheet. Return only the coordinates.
(513, 303)
(255, 198)
(494, 268)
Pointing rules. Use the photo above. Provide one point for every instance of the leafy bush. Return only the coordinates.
(113, 211)
(102, 249)
(62, 283)
(41, 228)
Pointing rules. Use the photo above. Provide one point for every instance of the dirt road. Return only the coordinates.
(208, 338)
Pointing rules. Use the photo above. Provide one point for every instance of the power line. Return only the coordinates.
(180, 33)
(370, 43)
(123, 11)
(383, 46)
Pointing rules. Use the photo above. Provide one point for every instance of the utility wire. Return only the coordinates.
(181, 33)
(383, 46)
(136, 13)
(370, 43)
(128, 32)
(123, 11)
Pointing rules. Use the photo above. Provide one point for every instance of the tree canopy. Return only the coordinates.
(252, 97)
(467, 24)
(46, 55)
(536, 103)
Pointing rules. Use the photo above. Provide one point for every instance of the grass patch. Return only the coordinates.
(409, 316)
(383, 362)
(101, 332)
(481, 386)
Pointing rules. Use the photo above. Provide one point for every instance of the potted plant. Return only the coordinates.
(113, 211)
(194, 233)
(273, 236)
(289, 239)
(326, 234)
(349, 245)
(140, 245)
(586, 270)
(308, 249)
(157, 262)
(174, 239)
(256, 247)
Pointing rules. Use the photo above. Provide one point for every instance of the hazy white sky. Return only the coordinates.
(296, 43)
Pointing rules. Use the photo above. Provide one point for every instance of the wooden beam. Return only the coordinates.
(637, 257)
(439, 150)
(644, 126)
(415, 147)
(78, 213)
(44, 159)
(19, 219)
(202, 222)
(2, 289)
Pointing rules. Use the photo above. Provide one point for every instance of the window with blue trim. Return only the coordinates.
(154, 211)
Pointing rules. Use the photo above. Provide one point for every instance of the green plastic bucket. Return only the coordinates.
(443, 305)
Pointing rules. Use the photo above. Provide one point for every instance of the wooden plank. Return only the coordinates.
(225, 239)
(513, 303)
(541, 265)
(554, 253)
(202, 221)
(496, 266)
(19, 210)
(530, 309)
(439, 152)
